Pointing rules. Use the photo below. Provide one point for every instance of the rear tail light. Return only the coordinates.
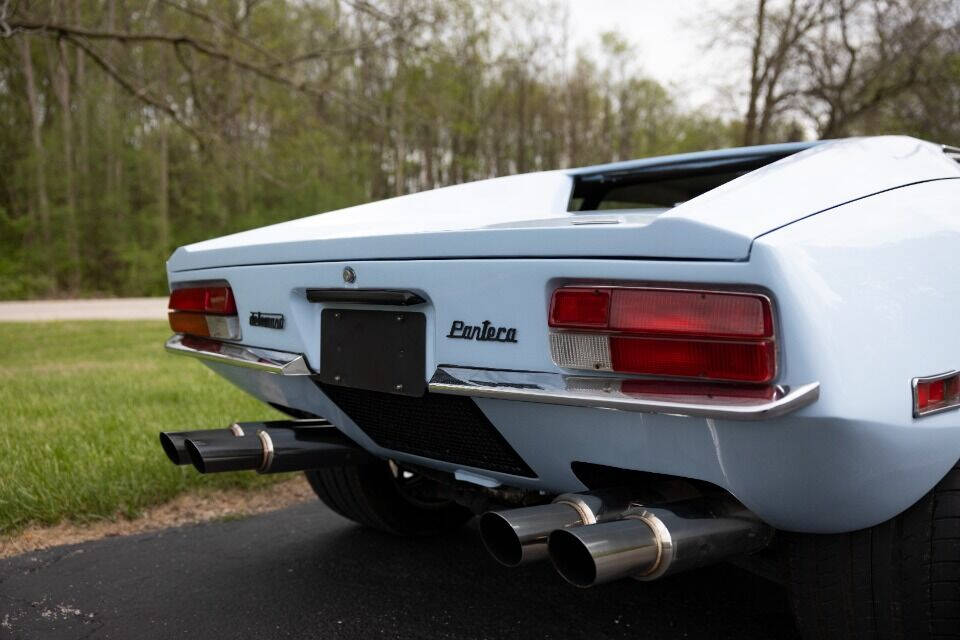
(936, 393)
(217, 299)
(715, 336)
(209, 311)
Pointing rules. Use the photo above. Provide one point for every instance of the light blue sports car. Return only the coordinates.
(630, 369)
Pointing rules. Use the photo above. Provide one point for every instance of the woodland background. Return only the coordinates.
(131, 127)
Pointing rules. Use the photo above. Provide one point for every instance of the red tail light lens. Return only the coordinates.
(204, 300)
(574, 307)
(703, 314)
(936, 393)
(735, 361)
(655, 331)
(209, 311)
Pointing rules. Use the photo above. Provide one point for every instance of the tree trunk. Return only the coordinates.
(163, 192)
(400, 146)
(521, 122)
(750, 121)
(400, 122)
(83, 133)
(111, 118)
(61, 86)
(36, 124)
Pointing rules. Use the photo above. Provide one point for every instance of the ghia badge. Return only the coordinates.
(486, 332)
(268, 320)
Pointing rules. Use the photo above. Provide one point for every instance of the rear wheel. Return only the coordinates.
(899, 579)
(383, 496)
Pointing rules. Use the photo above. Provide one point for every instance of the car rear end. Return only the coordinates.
(677, 332)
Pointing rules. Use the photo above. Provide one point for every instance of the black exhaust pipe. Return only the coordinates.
(296, 446)
(174, 442)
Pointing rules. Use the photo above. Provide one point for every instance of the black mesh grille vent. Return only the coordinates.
(440, 427)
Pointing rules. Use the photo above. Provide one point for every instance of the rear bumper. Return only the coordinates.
(238, 355)
(800, 472)
(603, 393)
(523, 386)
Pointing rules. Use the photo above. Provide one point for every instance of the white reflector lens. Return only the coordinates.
(581, 351)
(224, 327)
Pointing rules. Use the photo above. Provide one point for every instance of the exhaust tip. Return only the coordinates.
(572, 558)
(173, 445)
(196, 458)
(500, 539)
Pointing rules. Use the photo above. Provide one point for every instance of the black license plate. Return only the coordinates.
(374, 350)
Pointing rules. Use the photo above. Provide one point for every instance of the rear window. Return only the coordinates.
(647, 194)
(658, 183)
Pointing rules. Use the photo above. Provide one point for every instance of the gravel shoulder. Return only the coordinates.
(107, 309)
(190, 508)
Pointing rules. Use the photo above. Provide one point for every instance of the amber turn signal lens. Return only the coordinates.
(194, 324)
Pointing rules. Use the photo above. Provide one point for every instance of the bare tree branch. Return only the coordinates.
(141, 93)
(220, 24)
(201, 46)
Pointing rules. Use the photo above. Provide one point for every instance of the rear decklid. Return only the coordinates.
(529, 215)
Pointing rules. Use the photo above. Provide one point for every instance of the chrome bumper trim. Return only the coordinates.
(278, 362)
(604, 393)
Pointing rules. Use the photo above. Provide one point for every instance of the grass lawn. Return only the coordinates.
(80, 407)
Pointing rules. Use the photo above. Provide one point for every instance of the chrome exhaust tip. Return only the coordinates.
(518, 536)
(600, 553)
(501, 540)
(651, 542)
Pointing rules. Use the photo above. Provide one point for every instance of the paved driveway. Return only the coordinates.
(304, 572)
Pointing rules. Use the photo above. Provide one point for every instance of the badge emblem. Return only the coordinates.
(486, 332)
(267, 320)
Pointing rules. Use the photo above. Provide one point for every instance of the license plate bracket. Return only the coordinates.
(374, 350)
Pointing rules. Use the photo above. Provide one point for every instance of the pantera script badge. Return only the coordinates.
(486, 332)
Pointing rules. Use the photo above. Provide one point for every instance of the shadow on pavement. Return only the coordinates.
(304, 572)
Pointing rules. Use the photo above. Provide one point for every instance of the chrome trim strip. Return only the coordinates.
(553, 388)
(278, 362)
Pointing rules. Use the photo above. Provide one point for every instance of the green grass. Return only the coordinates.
(80, 407)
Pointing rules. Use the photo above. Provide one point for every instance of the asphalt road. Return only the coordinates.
(304, 572)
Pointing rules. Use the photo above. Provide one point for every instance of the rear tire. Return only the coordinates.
(899, 579)
(382, 496)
